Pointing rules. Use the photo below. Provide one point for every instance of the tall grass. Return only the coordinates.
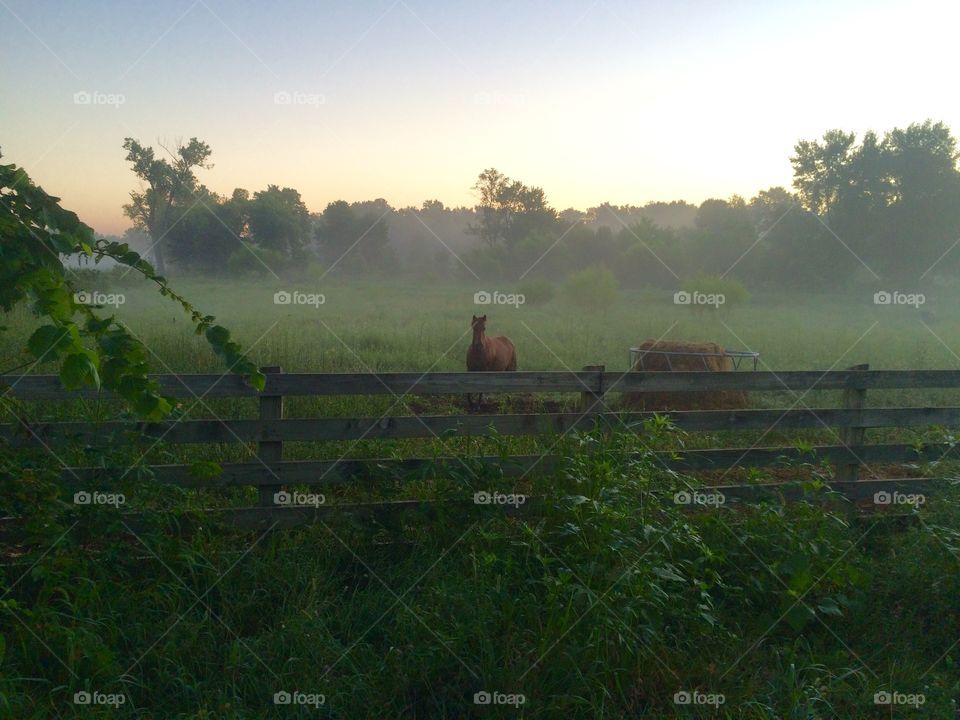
(611, 601)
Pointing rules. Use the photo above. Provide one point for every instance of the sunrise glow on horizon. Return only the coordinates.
(409, 101)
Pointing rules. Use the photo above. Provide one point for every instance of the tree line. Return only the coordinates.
(881, 208)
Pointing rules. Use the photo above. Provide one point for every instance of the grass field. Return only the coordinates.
(399, 325)
(614, 603)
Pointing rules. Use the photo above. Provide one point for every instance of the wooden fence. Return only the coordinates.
(594, 384)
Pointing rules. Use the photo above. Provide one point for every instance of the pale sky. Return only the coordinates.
(612, 100)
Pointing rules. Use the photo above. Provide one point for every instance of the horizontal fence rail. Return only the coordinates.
(333, 472)
(48, 387)
(424, 426)
(270, 472)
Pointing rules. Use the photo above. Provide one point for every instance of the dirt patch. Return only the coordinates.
(492, 405)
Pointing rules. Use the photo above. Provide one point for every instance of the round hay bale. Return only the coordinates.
(679, 356)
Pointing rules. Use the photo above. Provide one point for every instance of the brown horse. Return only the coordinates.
(486, 353)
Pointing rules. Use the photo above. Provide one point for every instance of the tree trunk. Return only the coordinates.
(158, 262)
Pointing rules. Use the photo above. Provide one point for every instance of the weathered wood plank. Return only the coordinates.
(259, 518)
(855, 399)
(408, 426)
(721, 459)
(323, 472)
(853, 490)
(47, 387)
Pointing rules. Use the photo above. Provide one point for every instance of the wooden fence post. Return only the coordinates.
(270, 451)
(854, 398)
(590, 400)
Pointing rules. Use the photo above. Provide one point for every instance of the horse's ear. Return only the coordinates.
(474, 319)
(484, 318)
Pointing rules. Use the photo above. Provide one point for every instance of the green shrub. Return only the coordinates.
(537, 292)
(732, 291)
(595, 288)
(252, 261)
(309, 269)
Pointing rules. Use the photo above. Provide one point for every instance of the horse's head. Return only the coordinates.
(479, 324)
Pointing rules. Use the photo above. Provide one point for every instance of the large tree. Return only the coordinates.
(724, 232)
(167, 183)
(895, 202)
(208, 231)
(279, 220)
(509, 211)
(352, 240)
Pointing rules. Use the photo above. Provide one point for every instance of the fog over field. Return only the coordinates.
(408, 359)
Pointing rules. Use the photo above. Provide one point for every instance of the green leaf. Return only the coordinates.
(78, 370)
(218, 335)
(798, 616)
(150, 405)
(667, 573)
(828, 606)
(258, 380)
(48, 341)
(63, 243)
